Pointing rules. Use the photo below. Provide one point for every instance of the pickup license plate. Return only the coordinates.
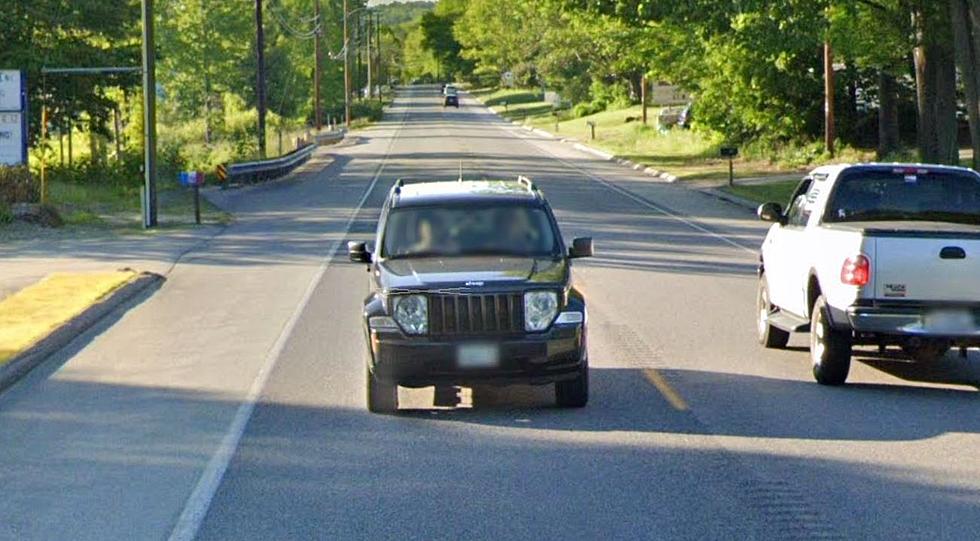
(477, 356)
(950, 321)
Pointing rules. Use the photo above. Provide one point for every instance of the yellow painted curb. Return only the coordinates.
(33, 313)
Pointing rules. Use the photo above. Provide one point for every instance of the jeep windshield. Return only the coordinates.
(432, 231)
(906, 195)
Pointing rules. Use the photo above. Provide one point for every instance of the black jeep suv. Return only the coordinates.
(471, 284)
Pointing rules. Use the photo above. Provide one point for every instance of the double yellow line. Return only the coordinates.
(669, 393)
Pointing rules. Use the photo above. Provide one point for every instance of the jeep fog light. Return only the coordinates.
(540, 309)
(412, 313)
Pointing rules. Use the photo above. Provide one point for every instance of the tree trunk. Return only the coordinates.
(888, 123)
(966, 28)
(935, 77)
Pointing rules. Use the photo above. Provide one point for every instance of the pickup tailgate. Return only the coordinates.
(927, 266)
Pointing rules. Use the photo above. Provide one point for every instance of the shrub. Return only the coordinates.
(6, 215)
(18, 185)
(587, 109)
(368, 109)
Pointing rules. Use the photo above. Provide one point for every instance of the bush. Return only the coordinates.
(18, 185)
(6, 215)
(368, 109)
(587, 109)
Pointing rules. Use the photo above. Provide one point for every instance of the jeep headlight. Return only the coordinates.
(412, 313)
(540, 309)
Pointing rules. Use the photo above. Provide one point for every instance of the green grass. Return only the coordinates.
(94, 206)
(688, 154)
(777, 192)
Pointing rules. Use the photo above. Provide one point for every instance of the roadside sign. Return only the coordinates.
(13, 138)
(11, 91)
(669, 95)
(191, 178)
(729, 152)
(222, 172)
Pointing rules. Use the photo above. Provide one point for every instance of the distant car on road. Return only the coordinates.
(471, 284)
(451, 97)
(876, 254)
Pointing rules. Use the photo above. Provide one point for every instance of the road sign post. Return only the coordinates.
(591, 125)
(730, 153)
(194, 180)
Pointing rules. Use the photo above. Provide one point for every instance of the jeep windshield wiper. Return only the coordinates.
(421, 254)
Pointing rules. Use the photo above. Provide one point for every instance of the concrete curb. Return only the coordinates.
(31, 358)
(718, 193)
(649, 171)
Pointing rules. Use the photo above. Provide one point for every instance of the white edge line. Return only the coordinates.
(199, 502)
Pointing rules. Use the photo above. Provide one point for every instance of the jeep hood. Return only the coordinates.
(469, 272)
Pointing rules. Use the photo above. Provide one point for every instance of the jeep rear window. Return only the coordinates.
(906, 194)
(434, 231)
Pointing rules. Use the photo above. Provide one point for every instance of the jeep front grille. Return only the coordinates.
(462, 314)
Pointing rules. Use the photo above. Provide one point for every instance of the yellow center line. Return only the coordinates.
(668, 392)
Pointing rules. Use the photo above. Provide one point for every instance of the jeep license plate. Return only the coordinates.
(950, 321)
(477, 356)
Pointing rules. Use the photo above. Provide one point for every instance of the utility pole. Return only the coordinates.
(149, 119)
(316, 69)
(260, 83)
(828, 76)
(377, 34)
(346, 69)
(358, 32)
(370, 82)
(643, 97)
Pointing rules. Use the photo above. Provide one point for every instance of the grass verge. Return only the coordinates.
(688, 154)
(777, 192)
(33, 313)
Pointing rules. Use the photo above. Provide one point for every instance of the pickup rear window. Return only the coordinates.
(906, 194)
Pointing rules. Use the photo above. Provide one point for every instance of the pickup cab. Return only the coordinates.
(884, 255)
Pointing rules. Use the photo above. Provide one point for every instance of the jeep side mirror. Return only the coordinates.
(581, 247)
(771, 212)
(358, 252)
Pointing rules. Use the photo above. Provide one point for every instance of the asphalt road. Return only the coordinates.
(230, 404)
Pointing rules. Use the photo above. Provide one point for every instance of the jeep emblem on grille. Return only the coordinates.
(474, 284)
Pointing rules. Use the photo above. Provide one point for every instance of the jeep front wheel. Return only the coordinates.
(381, 397)
(574, 393)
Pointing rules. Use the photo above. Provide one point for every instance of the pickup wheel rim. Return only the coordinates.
(763, 311)
(818, 338)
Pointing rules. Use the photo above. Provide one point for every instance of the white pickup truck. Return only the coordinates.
(873, 255)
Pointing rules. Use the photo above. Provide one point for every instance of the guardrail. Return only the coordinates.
(260, 170)
(273, 168)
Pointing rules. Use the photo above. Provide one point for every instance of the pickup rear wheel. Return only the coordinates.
(830, 349)
(574, 393)
(381, 397)
(769, 336)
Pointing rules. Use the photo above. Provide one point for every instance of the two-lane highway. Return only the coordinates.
(693, 430)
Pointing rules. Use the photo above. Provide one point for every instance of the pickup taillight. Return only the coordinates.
(856, 271)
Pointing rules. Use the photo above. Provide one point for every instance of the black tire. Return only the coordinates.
(381, 397)
(830, 349)
(931, 351)
(573, 393)
(769, 336)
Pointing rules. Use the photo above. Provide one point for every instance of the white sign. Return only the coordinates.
(11, 138)
(553, 98)
(10, 91)
(669, 95)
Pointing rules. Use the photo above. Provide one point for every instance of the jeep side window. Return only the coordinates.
(798, 211)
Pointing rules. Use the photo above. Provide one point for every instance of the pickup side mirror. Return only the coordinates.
(771, 212)
(358, 252)
(581, 247)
